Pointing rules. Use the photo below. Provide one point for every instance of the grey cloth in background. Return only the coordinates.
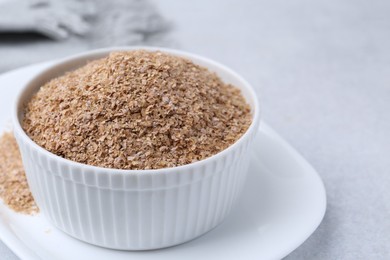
(54, 19)
(32, 31)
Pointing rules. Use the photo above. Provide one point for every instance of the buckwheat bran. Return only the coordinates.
(137, 110)
(14, 190)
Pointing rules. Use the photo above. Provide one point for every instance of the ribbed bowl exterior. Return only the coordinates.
(135, 210)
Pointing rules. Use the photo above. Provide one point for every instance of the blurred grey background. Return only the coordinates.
(321, 69)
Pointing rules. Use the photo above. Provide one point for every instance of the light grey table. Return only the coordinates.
(322, 70)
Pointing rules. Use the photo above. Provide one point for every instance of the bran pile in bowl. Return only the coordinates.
(137, 110)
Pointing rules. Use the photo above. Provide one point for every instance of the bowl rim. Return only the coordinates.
(91, 55)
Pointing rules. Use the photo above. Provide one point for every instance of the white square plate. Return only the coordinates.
(282, 204)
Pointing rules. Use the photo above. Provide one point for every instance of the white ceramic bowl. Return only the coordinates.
(135, 209)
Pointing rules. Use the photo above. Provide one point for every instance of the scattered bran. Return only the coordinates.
(14, 190)
(137, 110)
